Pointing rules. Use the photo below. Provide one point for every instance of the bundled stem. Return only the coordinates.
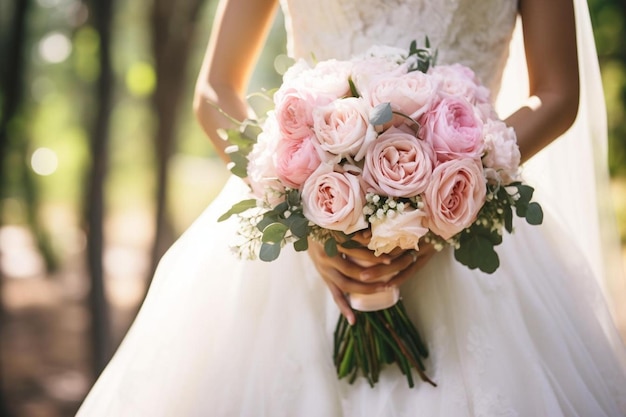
(378, 338)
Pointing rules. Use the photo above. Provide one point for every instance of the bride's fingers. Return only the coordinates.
(397, 265)
(342, 303)
(364, 256)
(417, 262)
(349, 285)
(362, 237)
(342, 272)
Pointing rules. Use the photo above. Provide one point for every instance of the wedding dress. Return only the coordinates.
(218, 336)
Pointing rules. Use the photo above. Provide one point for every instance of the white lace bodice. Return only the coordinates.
(474, 33)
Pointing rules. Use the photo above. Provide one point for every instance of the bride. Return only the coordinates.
(218, 336)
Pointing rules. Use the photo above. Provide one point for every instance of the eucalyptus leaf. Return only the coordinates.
(508, 218)
(280, 209)
(351, 244)
(251, 131)
(330, 247)
(269, 252)
(293, 198)
(236, 137)
(477, 252)
(275, 233)
(238, 165)
(301, 245)
(534, 214)
(299, 225)
(525, 192)
(238, 208)
(381, 114)
(268, 218)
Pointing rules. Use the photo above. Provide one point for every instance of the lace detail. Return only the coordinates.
(473, 33)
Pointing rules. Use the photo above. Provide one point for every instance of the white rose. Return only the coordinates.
(403, 230)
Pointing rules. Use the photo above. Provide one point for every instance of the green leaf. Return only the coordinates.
(298, 224)
(508, 218)
(330, 247)
(236, 137)
(293, 198)
(238, 165)
(477, 252)
(269, 251)
(526, 193)
(280, 209)
(274, 233)
(534, 214)
(381, 114)
(268, 218)
(351, 244)
(251, 130)
(240, 207)
(301, 245)
(353, 91)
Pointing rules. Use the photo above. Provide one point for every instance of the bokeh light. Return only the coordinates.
(140, 79)
(44, 161)
(55, 47)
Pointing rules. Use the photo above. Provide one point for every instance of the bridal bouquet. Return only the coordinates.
(387, 141)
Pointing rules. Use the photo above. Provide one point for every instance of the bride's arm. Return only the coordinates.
(238, 35)
(550, 44)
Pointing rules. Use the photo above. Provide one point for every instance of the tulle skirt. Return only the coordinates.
(218, 336)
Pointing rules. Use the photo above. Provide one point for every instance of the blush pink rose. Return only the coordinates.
(262, 175)
(501, 151)
(398, 164)
(453, 129)
(334, 200)
(411, 94)
(459, 80)
(454, 196)
(399, 230)
(294, 111)
(342, 128)
(328, 78)
(295, 160)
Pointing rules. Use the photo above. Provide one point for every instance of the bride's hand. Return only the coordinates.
(344, 274)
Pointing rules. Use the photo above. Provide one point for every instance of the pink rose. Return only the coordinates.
(459, 80)
(376, 62)
(453, 129)
(334, 200)
(327, 78)
(454, 196)
(294, 111)
(411, 94)
(295, 160)
(401, 229)
(398, 164)
(342, 128)
(501, 151)
(262, 175)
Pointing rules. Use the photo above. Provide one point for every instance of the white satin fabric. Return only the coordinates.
(218, 336)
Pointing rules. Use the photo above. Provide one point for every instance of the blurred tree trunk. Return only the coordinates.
(173, 27)
(14, 145)
(101, 12)
(11, 89)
